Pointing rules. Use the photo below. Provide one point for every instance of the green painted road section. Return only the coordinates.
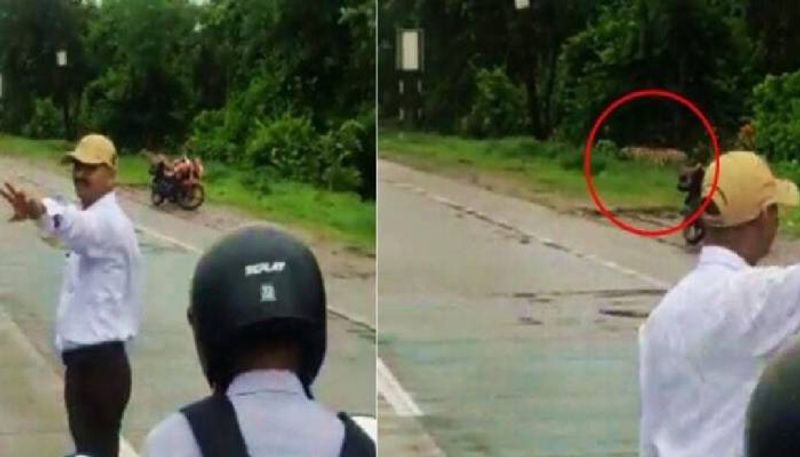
(510, 346)
(165, 368)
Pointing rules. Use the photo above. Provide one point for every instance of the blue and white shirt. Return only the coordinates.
(276, 418)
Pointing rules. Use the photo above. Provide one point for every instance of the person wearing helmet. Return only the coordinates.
(704, 346)
(258, 314)
(773, 415)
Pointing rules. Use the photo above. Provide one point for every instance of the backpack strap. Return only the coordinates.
(356, 442)
(215, 427)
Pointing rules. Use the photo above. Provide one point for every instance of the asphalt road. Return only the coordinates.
(165, 368)
(512, 328)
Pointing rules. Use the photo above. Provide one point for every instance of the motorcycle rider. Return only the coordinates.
(177, 181)
(258, 316)
(690, 180)
(182, 168)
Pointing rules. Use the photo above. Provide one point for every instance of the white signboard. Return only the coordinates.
(409, 45)
(522, 4)
(61, 57)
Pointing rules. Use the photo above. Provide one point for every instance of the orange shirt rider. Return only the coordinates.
(182, 168)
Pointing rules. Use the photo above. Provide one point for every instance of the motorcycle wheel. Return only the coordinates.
(694, 233)
(192, 197)
(156, 197)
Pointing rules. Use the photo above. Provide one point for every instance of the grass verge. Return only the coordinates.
(549, 173)
(550, 170)
(336, 216)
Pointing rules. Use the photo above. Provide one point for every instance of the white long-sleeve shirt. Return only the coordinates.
(703, 349)
(99, 299)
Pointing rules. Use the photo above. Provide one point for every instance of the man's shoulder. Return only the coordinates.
(702, 291)
(725, 283)
(115, 220)
(171, 437)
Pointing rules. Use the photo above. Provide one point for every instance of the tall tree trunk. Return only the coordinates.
(547, 94)
(531, 88)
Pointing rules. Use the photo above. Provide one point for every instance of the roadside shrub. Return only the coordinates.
(789, 170)
(337, 150)
(46, 121)
(288, 145)
(776, 106)
(607, 149)
(498, 107)
(223, 134)
(209, 138)
(363, 159)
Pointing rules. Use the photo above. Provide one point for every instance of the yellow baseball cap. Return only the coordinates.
(94, 149)
(746, 187)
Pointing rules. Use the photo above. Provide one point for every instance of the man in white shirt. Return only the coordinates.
(259, 320)
(98, 308)
(705, 345)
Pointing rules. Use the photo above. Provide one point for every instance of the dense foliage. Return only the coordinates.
(570, 58)
(279, 84)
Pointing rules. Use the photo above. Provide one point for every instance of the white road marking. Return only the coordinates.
(188, 247)
(399, 399)
(395, 395)
(535, 236)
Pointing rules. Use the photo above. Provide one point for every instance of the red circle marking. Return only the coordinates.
(587, 162)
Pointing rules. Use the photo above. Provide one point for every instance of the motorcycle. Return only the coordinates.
(185, 189)
(690, 181)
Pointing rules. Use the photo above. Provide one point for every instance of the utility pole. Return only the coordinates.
(2, 112)
(61, 61)
(410, 63)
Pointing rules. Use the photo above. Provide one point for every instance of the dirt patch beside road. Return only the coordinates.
(347, 262)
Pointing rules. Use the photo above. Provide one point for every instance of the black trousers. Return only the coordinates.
(96, 391)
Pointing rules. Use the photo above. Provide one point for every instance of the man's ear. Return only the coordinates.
(763, 217)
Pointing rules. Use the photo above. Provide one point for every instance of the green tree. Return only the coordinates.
(776, 107)
(31, 31)
(683, 45)
(466, 35)
(203, 77)
(773, 25)
(143, 95)
(498, 107)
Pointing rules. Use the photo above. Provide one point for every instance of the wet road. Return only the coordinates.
(513, 328)
(165, 368)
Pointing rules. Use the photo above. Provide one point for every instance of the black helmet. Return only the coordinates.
(773, 417)
(257, 281)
